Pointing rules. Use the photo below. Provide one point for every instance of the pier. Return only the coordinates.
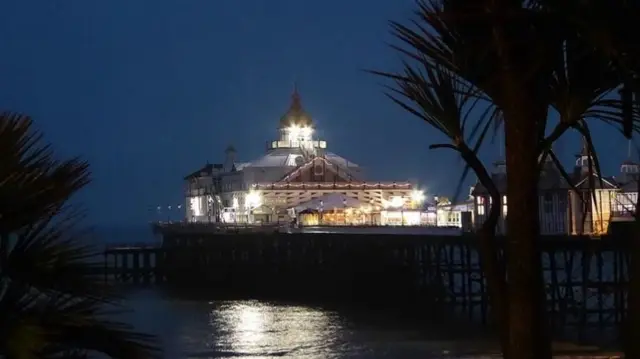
(585, 277)
(137, 263)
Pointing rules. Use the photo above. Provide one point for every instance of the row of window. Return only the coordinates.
(547, 203)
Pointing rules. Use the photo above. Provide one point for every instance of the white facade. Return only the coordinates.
(455, 215)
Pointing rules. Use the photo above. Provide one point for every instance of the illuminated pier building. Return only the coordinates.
(296, 172)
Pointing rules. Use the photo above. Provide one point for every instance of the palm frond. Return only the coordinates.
(52, 303)
(27, 172)
(52, 255)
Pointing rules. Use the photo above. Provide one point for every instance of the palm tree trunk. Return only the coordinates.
(528, 327)
(492, 266)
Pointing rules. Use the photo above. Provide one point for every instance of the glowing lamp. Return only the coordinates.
(253, 199)
(417, 196)
(302, 133)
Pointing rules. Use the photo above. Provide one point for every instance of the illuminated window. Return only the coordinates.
(480, 206)
(196, 207)
(504, 205)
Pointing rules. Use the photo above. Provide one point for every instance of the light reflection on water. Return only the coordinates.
(255, 329)
(252, 328)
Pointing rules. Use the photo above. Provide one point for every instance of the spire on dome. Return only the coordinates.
(296, 102)
(296, 115)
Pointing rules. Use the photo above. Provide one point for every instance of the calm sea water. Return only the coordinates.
(202, 328)
(255, 329)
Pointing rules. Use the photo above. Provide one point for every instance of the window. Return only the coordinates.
(504, 206)
(480, 206)
(548, 203)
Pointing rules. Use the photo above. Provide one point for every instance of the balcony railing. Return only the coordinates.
(329, 186)
(622, 214)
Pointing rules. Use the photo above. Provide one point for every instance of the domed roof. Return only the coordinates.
(296, 115)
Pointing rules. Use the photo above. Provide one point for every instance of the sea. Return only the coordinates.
(189, 327)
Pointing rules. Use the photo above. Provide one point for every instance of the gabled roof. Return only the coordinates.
(330, 165)
(551, 179)
(599, 182)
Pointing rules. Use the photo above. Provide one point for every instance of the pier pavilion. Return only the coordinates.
(296, 168)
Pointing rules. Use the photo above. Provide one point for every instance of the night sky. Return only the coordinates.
(149, 91)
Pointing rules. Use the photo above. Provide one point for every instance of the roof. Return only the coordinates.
(335, 163)
(207, 170)
(281, 157)
(551, 179)
(277, 163)
(288, 157)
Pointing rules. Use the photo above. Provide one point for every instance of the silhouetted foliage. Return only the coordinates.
(471, 67)
(53, 302)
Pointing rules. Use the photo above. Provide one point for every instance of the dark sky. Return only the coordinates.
(148, 91)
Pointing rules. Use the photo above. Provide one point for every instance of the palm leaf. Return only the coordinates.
(27, 172)
(52, 304)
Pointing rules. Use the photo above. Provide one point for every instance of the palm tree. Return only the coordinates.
(53, 303)
(506, 64)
